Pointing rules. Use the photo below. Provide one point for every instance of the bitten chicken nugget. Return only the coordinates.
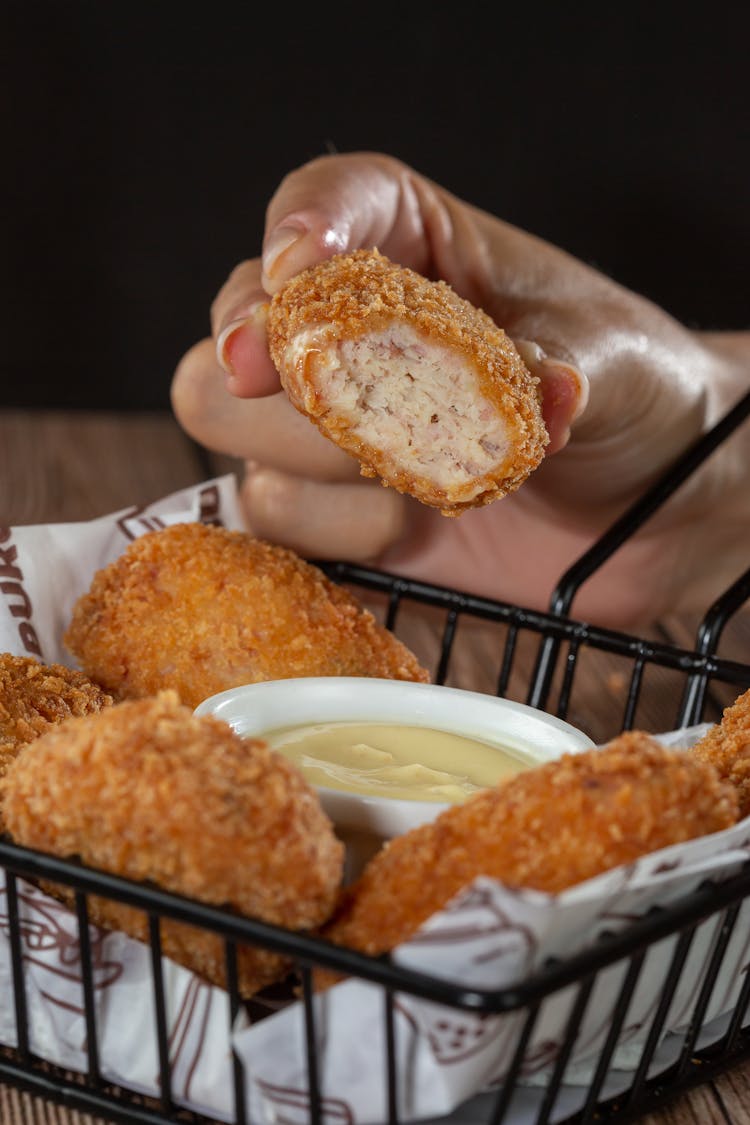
(727, 747)
(35, 696)
(148, 791)
(416, 383)
(200, 609)
(546, 828)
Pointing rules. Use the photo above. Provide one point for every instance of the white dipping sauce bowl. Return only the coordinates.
(365, 822)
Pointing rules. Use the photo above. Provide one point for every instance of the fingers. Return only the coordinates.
(338, 203)
(238, 324)
(565, 392)
(270, 430)
(564, 398)
(323, 520)
(341, 203)
(241, 293)
(242, 353)
(266, 429)
(328, 206)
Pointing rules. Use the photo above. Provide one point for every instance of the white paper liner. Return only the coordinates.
(198, 1014)
(43, 571)
(44, 568)
(488, 937)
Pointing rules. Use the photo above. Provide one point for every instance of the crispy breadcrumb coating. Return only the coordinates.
(200, 609)
(36, 696)
(727, 747)
(416, 383)
(148, 791)
(546, 828)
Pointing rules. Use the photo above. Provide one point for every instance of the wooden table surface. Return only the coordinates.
(64, 466)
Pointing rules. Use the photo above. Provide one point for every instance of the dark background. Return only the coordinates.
(142, 142)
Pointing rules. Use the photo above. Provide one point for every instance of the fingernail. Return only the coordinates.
(277, 245)
(583, 393)
(574, 375)
(530, 353)
(255, 320)
(223, 348)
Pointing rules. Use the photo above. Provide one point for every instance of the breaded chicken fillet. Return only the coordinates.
(727, 747)
(416, 383)
(200, 609)
(546, 828)
(148, 791)
(36, 696)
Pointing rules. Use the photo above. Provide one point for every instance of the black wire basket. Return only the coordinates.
(536, 655)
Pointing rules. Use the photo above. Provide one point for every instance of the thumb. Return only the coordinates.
(565, 392)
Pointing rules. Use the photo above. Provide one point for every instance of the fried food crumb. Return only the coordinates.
(148, 791)
(546, 828)
(419, 385)
(200, 609)
(35, 696)
(726, 745)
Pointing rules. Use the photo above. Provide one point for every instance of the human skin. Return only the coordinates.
(626, 388)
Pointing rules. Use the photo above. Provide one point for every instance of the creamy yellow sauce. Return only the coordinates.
(388, 760)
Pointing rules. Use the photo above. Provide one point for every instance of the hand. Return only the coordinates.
(650, 387)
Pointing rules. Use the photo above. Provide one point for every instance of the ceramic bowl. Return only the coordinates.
(363, 821)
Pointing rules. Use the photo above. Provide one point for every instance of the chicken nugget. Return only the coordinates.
(148, 791)
(546, 828)
(726, 745)
(200, 609)
(34, 696)
(416, 383)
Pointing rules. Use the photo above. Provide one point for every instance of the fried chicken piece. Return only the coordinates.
(416, 383)
(200, 609)
(148, 791)
(727, 747)
(546, 828)
(36, 696)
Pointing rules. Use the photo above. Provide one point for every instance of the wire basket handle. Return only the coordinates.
(621, 530)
